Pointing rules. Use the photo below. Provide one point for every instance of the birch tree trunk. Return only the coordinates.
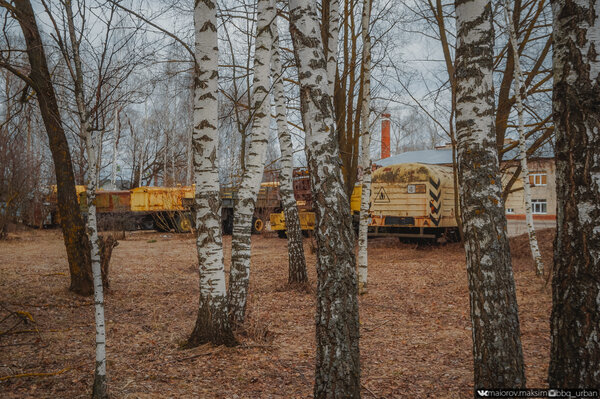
(497, 352)
(333, 39)
(188, 176)
(165, 160)
(297, 262)
(337, 373)
(116, 136)
(366, 152)
(141, 172)
(575, 320)
(100, 386)
(173, 176)
(518, 77)
(244, 208)
(212, 324)
(99, 138)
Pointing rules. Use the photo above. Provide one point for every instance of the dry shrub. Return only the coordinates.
(255, 328)
(521, 252)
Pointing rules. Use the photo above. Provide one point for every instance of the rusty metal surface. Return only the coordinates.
(148, 199)
(108, 201)
(307, 221)
(397, 174)
(302, 189)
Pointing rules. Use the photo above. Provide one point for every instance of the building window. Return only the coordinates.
(510, 211)
(537, 179)
(539, 206)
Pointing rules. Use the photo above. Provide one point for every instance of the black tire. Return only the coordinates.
(227, 221)
(147, 223)
(282, 233)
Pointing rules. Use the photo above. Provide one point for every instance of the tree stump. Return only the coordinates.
(106, 247)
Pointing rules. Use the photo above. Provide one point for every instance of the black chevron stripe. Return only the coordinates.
(434, 184)
(434, 220)
(434, 209)
(436, 198)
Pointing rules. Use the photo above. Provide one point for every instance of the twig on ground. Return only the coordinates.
(189, 357)
(368, 390)
(35, 374)
(376, 326)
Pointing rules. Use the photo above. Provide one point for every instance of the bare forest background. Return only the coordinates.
(139, 89)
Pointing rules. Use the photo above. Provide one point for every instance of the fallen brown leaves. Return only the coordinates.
(416, 338)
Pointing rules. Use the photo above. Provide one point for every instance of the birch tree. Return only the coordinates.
(100, 386)
(297, 262)
(255, 160)
(115, 146)
(212, 323)
(518, 78)
(497, 352)
(337, 373)
(366, 152)
(575, 320)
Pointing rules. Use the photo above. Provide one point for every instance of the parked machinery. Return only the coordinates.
(306, 214)
(413, 200)
(163, 208)
(407, 200)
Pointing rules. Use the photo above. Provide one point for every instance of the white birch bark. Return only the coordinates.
(173, 179)
(212, 323)
(100, 385)
(365, 142)
(518, 76)
(337, 372)
(188, 175)
(100, 389)
(255, 160)
(99, 137)
(297, 262)
(143, 144)
(116, 136)
(165, 159)
(141, 166)
(332, 43)
(497, 351)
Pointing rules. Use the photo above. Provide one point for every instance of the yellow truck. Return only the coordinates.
(307, 217)
(163, 208)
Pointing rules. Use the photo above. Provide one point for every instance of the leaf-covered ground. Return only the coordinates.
(415, 329)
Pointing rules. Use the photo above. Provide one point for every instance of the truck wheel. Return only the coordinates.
(183, 223)
(281, 234)
(147, 223)
(257, 225)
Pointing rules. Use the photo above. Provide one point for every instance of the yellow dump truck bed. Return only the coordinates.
(146, 199)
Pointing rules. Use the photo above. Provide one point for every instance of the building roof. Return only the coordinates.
(430, 157)
(443, 156)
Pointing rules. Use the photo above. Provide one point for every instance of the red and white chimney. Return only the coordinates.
(385, 136)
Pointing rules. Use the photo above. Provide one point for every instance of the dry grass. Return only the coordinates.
(416, 339)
